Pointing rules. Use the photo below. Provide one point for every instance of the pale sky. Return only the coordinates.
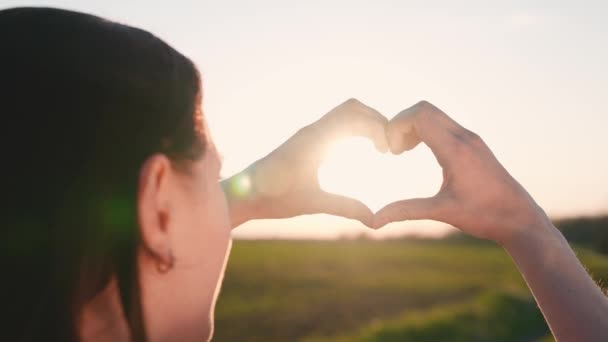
(532, 80)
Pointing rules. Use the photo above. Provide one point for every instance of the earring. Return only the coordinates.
(164, 267)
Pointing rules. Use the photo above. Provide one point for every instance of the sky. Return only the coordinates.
(530, 78)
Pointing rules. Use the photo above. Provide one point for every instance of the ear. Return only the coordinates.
(153, 204)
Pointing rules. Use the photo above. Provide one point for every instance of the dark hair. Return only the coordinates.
(85, 102)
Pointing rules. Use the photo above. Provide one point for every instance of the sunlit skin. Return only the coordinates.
(185, 220)
(477, 196)
(477, 193)
(285, 183)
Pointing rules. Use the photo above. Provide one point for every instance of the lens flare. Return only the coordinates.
(240, 185)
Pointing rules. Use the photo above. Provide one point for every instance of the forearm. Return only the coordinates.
(573, 305)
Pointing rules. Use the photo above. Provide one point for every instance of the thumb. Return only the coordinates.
(346, 207)
(410, 209)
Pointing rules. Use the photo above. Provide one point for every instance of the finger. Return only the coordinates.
(347, 207)
(353, 118)
(423, 122)
(403, 141)
(410, 209)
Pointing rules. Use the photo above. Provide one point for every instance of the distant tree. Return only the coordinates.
(591, 232)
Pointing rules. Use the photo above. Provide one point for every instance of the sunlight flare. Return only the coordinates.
(354, 168)
(240, 186)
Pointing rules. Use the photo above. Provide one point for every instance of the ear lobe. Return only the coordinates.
(153, 207)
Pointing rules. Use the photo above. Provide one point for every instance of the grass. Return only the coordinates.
(378, 291)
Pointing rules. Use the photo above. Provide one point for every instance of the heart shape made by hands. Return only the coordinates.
(353, 167)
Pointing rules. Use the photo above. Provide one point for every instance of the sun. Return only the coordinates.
(353, 167)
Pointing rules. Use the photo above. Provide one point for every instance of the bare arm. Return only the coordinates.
(481, 198)
(573, 305)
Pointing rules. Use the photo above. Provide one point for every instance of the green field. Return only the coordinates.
(379, 291)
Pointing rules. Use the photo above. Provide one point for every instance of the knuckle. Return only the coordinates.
(465, 138)
(472, 137)
(426, 106)
(347, 108)
(352, 102)
(423, 103)
(425, 110)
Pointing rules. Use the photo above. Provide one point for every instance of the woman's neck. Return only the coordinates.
(102, 318)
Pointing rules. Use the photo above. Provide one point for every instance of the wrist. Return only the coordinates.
(242, 211)
(243, 204)
(528, 221)
(540, 237)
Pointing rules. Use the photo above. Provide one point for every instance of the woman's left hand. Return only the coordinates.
(285, 183)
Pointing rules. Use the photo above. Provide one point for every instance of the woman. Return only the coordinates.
(119, 228)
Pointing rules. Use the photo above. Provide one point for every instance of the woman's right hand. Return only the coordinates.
(480, 197)
(477, 196)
